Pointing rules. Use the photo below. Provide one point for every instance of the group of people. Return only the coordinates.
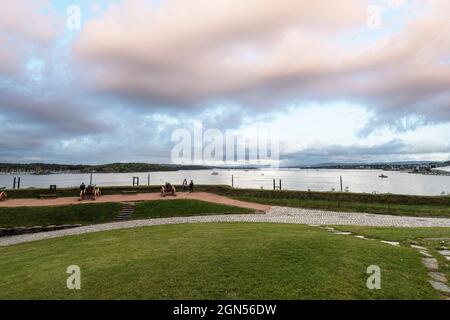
(185, 185)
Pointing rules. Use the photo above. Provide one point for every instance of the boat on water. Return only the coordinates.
(382, 176)
(215, 173)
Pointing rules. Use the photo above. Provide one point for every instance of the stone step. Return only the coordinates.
(126, 212)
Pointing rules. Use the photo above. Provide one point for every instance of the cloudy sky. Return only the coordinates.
(342, 80)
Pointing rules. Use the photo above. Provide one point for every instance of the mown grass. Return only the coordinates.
(87, 214)
(183, 208)
(57, 215)
(434, 239)
(418, 210)
(212, 261)
(398, 234)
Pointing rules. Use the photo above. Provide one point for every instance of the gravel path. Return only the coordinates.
(274, 215)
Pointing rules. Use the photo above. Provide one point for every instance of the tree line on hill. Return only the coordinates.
(45, 168)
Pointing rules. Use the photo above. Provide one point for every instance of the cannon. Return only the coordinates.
(91, 192)
(168, 189)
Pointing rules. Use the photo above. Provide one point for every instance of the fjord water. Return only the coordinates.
(292, 179)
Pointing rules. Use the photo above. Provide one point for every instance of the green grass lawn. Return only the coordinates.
(418, 210)
(212, 261)
(432, 238)
(107, 212)
(57, 215)
(183, 208)
(405, 235)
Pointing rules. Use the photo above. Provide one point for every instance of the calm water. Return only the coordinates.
(292, 179)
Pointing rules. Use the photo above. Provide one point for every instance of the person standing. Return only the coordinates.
(191, 186)
(185, 184)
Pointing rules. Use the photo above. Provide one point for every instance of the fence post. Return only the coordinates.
(341, 184)
(280, 184)
(14, 183)
(232, 181)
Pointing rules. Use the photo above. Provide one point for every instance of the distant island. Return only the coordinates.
(419, 167)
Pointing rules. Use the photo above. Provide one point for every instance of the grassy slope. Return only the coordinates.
(182, 208)
(107, 212)
(212, 261)
(42, 216)
(418, 210)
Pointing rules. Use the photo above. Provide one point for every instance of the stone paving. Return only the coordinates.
(438, 279)
(321, 217)
(273, 215)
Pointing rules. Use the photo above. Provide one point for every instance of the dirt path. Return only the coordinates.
(203, 196)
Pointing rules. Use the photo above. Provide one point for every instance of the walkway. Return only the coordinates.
(274, 215)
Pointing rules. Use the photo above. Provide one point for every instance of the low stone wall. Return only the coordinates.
(4, 232)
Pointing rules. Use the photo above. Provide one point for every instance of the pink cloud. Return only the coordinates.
(25, 25)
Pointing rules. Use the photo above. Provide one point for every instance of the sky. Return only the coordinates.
(341, 81)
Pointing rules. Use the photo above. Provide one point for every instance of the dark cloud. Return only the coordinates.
(394, 150)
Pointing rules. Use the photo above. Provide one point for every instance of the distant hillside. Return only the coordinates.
(406, 165)
(44, 168)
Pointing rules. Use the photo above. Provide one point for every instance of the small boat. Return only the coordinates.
(215, 173)
(382, 176)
